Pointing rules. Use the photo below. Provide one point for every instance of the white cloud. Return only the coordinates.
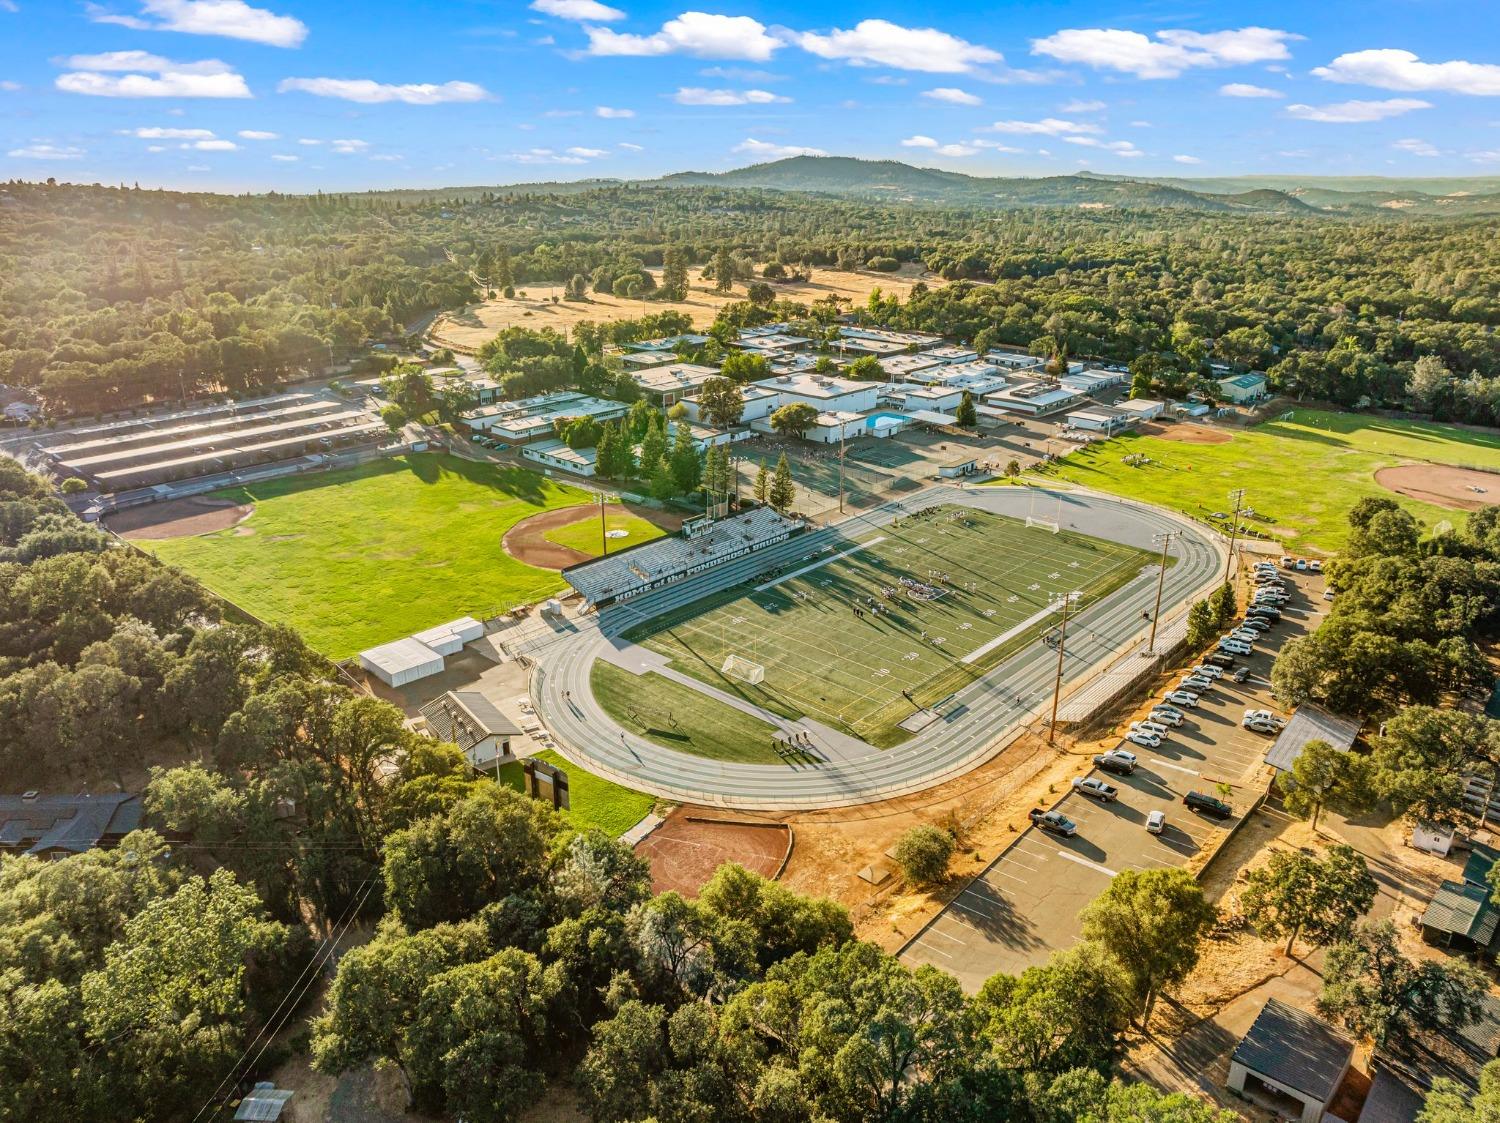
(588, 153)
(752, 147)
(43, 151)
(1116, 147)
(612, 114)
(739, 74)
(1187, 159)
(957, 150)
(952, 96)
(309, 141)
(878, 42)
(9, 6)
(995, 146)
(388, 157)
(10, 87)
(1356, 112)
(1401, 70)
(139, 74)
(1047, 126)
(199, 168)
(563, 113)
(697, 95)
(545, 156)
(369, 92)
(1415, 147)
(258, 134)
(1166, 56)
(692, 33)
(1079, 105)
(213, 146)
(1245, 89)
(348, 147)
(233, 19)
(919, 141)
(577, 10)
(625, 144)
(156, 148)
(282, 157)
(155, 132)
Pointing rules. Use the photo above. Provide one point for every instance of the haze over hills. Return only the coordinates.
(896, 182)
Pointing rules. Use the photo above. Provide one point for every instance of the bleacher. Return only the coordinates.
(622, 576)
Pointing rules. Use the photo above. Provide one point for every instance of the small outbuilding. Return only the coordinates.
(1241, 388)
(449, 638)
(956, 468)
(263, 1104)
(401, 661)
(471, 721)
(1310, 723)
(1460, 917)
(1100, 419)
(1290, 1061)
(1143, 409)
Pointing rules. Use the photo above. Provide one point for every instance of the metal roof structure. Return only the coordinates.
(1295, 1050)
(1462, 910)
(466, 717)
(264, 1103)
(47, 824)
(1390, 1099)
(1310, 723)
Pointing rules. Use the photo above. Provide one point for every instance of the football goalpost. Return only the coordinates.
(746, 670)
(1054, 524)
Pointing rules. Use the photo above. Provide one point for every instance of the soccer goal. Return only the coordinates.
(737, 666)
(1041, 521)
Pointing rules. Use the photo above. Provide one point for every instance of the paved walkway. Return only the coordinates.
(981, 719)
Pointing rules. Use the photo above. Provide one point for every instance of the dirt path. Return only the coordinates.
(178, 518)
(1458, 489)
(527, 541)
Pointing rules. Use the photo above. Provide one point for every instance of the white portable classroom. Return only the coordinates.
(401, 661)
(449, 638)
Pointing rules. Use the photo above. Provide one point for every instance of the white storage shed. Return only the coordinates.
(449, 638)
(401, 661)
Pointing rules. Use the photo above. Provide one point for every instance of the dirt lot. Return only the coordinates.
(178, 518)
(1461, 489)
(477, 324)
(1187, 433)
(527, 540)
(685, 850)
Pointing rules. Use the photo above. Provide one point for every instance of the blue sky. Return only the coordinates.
(303, 94)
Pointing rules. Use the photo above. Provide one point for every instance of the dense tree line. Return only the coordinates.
(112, 296)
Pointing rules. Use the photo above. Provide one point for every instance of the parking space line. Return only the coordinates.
(1086, 862)
(958, 904)
(1177, 767)
(939, 932)
(922, 943)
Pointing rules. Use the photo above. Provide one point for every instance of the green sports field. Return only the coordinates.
(369, 554)
(676, 716)
(988, 580)
(593, 801)
(1301, 474)
(584, 536)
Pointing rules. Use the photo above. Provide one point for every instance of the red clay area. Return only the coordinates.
(178, 518)
(1461, 489)
(693, 842)
(527, 540)
(1188, 433)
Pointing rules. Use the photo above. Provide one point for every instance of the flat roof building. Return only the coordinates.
(536, 418)
(824, 391)
(673, 382)
(556, 454)
(401, 661)
(1144, 408)
(1035, 399)
(906, 366)
(449, 638)
(1100, 419)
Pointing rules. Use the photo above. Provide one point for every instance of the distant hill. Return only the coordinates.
(892, 181)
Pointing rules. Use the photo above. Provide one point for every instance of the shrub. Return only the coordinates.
(923, 854)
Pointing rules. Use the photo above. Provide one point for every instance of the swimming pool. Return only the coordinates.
(886, 420)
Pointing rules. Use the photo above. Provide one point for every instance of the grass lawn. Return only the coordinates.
(681, 718)
(369, 554)
(592, 800)
(854, 672)
(584, 536)
(1301, 475)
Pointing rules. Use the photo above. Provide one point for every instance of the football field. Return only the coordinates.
(860, 635)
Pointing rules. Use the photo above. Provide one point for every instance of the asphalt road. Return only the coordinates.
(1025, 905)
(982, 715)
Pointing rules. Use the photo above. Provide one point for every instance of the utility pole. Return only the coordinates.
(1238, 498)
(603, 529)
(1161, 577)
(1062, 639)
(841, 467)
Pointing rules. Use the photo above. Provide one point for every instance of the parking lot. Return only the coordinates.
(1026, 903)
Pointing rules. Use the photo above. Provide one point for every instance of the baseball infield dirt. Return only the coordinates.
(1188, 434)
(178, 518)
(527, 541)
(1461, 489)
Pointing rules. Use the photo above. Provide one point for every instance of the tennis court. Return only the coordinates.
(921, 608)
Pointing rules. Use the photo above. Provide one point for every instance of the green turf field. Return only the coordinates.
(584, 536)
(592, 800)
(1301, 475)
(369, 554)
(823, 661)
(681, 718)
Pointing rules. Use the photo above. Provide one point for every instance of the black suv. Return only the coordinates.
(1208, 805)
(1220, 659)
(1108, 762)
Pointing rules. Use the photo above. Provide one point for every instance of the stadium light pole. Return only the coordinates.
(841, 467)
(1062, 639)
(1161, 576)
(603, 531)
(1238, 496)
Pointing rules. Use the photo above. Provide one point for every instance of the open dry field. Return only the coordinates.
(469, 328)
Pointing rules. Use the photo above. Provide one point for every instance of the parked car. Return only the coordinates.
(1196, 683)
(1287, 562)
(1182, 698)
(1144, 740)
(1115, 762)
(1124, 754)
(1255, 624)
(1208, 805)
(1246, 635)
(1156, 822)
(1262, 725)
(1155, 728)
(1301, 565)
(1261, 716)
(1208, 670)
(1220, 659)
(1167, 715)
(1327, 594)
(1264, 611)
(1053, 821)
(1315, 565)
(1241, 675)
(1095, 788)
